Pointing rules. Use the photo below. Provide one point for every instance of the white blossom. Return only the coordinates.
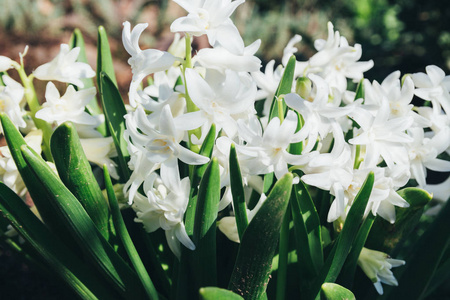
(65, 68)
(11, 96)
(336, 61)
(142, 62)
(433, 86)
(163, 206)
(377, 266)
(5, 63)
(69, 107)
(9, 174)
(211, 17)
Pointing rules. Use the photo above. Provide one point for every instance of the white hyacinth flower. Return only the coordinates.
(377, 266)
(220, 58)
(163, 207)
(142, 62)
(383, 197)
(161, 143)
(318, 113)
(69, 107)
(382, 136)
(5, 63)
(9, 174)
(221, 98)
(423, 152)
(336, 60)
(11, 97)
(65, 68)
(433, 86)
(99, 151)
(211, 17)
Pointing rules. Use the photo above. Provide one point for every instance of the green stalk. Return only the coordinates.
(33, 103)
(190, 106)
(124, 236)
(280, 109)
(283, 257)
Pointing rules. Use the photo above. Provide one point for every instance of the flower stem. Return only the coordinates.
(283, 257)
(33, 104)
(190, 106)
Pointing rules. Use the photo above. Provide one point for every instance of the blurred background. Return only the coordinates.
(404, 35)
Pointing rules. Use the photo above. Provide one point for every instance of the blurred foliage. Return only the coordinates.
(397, 34)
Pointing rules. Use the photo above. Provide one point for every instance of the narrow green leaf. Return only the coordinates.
(15, 140)
(205, 150)
(104, 57)
(76, 174)
(123, 234)
(197, 173)
(307, 232)
(215, 293)
(114, 110)
(336, 259)
(269, 180)
(360, 90)
(82, 230)
(385, 236)
(284, 88)
(425, 259)
(332, 291)
(347, 276)
(283, 257)
(76, 40)
(204, 238)
(253, 264)
(237, 190)
(57, 256)
(297, 148)
(184, 286)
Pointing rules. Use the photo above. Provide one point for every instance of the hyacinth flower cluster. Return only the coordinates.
(304, 164)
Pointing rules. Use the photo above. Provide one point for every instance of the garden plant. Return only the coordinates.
(223, 179)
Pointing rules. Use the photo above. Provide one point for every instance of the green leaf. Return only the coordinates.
(423, 263)
(237, 190)
(297, 148)
(340, 251)
(307, 232)
(283, 257)
(104, 58)
(82, 230)
(57, 256)
(124, 236)
(197, 173)
(76, 174)
(215, 293)
(332, 291)
(360, 90)
(184, 286)
(284, 87)
(385, 236)
(114, 110)
(205, 150)
(15, 140)
(347, 276)
(204, 238)
(253, 264)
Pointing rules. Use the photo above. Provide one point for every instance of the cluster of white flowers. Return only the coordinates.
(342, 138)
(55, 110)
